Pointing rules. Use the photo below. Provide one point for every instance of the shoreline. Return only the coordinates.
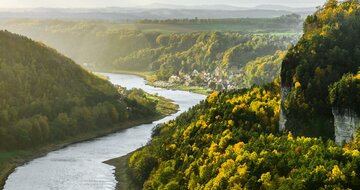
(25, 156)
(30, 155)
(143, 74)
(146, 75)
(122, 176)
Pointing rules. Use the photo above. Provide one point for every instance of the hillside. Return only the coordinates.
(46, 96)
(99, 44)
(210, 59)
(329, 48)
(213, 48)
(155, 12)
(232, 139)
(48, 101)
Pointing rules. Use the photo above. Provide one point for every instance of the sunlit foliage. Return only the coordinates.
(329, 48)
(231, 140)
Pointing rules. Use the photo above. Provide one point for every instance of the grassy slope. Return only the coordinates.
(10, 160)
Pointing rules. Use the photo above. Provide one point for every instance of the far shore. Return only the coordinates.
(147, 75)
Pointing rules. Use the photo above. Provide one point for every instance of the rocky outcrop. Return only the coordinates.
(283, 93)
(346, 124)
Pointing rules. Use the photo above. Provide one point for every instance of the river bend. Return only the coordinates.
(80, 166)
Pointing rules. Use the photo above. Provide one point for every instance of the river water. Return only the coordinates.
(80, 166)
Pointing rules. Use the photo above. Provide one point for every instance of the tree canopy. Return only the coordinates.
(47, 97)
(231, 140)
(329, 48)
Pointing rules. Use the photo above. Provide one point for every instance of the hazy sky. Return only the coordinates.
(125, 3)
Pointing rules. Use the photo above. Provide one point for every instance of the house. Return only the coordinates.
(174, 79)
(195, 73)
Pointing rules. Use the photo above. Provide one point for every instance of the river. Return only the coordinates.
(80, 166)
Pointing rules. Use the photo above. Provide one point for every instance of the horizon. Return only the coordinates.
(94, 4)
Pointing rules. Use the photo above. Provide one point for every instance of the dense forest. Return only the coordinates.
(329, 49)
(46, 97)
(115, 46)
(285, 23)
(184, 53)
(345, 94)
(232, 139)
(263, 70)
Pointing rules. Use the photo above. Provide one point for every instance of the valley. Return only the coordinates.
(152, 98)
(56, 169)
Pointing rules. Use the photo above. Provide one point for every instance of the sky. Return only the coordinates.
(130, 3)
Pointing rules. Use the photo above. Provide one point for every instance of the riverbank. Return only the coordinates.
(10, 160)
(194, 89)
(148, 75)
(122, 175)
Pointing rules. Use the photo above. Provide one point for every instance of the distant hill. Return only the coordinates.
(152, 11)
(127, 46)
(227, 7)
(285, 8)
(200, 7)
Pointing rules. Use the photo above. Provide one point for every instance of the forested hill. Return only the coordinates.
(329, 48)
(45, 97)
(148, 44)
(231, 140)
(209, 53)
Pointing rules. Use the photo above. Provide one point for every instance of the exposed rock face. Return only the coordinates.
(346, 124)
(284, 93)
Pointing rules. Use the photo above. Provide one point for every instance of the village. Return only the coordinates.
(215, 81)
